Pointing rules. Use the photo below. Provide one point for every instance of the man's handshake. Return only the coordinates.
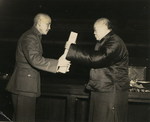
(63, 64)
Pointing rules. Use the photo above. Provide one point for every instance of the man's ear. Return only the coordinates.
(39, 23)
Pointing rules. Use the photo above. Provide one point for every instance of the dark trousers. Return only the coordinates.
(24, 108)
(108, 107)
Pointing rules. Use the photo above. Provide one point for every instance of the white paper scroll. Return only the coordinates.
(71, 40)
(73, 37)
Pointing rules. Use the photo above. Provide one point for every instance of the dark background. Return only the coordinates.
(130, 18)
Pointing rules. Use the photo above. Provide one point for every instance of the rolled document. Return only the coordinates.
(71, 40)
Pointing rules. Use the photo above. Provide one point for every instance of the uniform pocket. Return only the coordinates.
(27, 80)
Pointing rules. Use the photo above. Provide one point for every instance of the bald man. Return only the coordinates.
(24, 83)
(109, 82)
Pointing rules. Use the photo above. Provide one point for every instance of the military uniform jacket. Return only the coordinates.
(108, 63)
(25, 79)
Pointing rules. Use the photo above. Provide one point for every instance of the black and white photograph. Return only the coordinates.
(74, 61)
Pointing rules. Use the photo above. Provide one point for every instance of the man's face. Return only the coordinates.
(99, 30)
(44, 25)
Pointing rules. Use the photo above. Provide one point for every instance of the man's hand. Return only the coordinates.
(63, 65)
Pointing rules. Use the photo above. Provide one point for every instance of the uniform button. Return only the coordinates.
(113, 108)
(29, 75)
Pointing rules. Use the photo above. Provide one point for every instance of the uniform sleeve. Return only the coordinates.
(109, 54)
(33, 54)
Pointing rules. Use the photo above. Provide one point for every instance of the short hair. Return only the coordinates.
(105, 21)
(39, 16)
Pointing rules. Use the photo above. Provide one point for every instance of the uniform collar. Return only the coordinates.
(36, 31)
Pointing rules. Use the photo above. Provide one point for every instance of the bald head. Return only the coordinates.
(104, 22)
(102, 27)
(42, 22)
(41, 16)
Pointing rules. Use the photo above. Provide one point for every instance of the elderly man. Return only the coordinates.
(25, 81)
(109, 80)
